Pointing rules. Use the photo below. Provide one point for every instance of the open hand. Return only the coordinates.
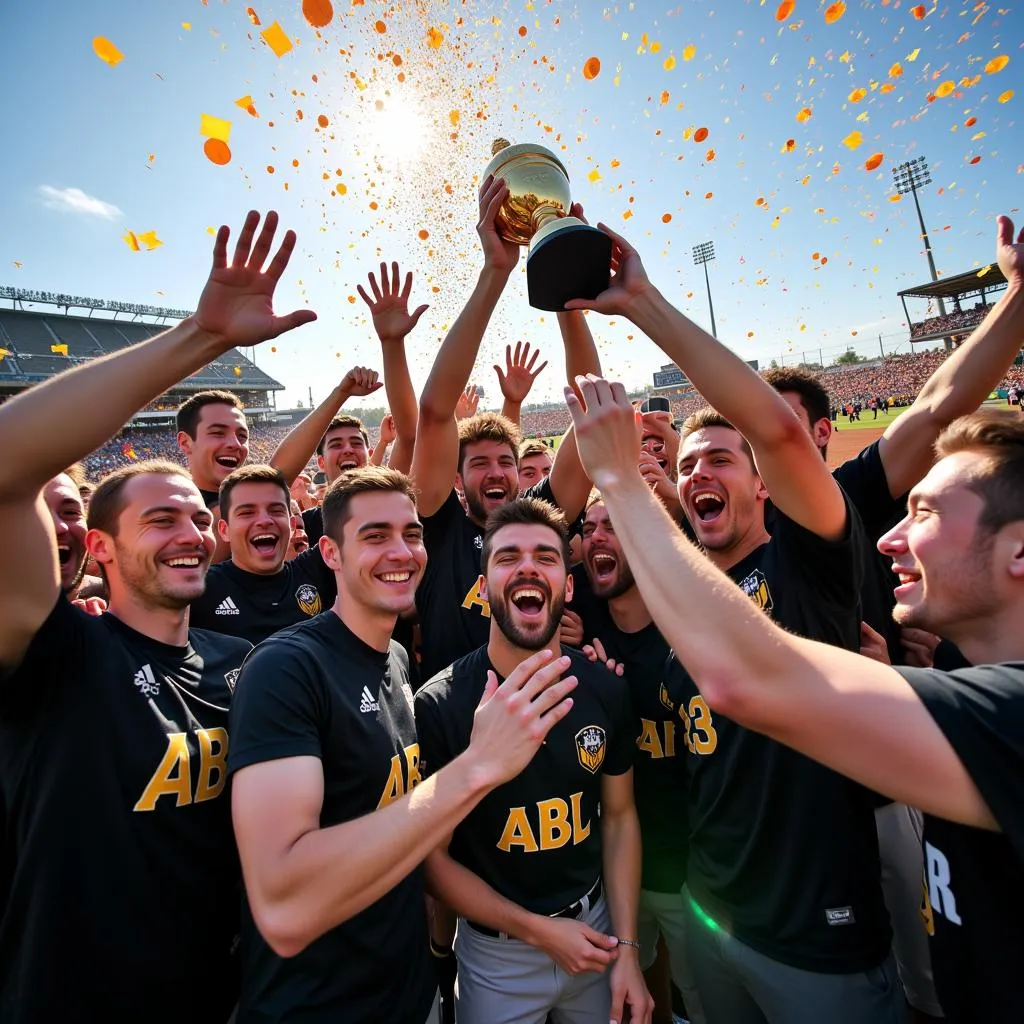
(236, 306)
(389, 306)
(607, 430)
(1009, 254)
(519, 374)
(467, 403)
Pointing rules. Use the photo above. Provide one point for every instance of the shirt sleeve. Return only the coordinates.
(980, 711)
(277, 708)
(435, 752)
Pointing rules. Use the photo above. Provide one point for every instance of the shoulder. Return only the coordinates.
(218, 647)
(457, 679)
(593, 677)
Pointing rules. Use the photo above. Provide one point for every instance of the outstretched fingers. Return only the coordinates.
(280, 261)
(264, 241)
(242, 246)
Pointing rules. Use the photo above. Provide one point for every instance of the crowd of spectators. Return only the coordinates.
(958, 320)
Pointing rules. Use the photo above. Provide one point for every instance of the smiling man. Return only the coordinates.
(118, 858)
(260, 590)
(545, 873)
(214, 436)
(64, 501)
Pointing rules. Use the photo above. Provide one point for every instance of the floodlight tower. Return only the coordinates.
(703, 254)
(909, 177)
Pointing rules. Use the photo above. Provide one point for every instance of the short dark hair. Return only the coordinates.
(344, 420)
(813, 396)
(337, 503)
(707, 417)
(595, 497)
(257, 473)
(528, 449)
(190, 410)
(998, 476)
(108, 501)
(77, 473)
(529, 512)
(488, 426)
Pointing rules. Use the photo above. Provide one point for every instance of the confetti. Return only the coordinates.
(788, 146)
(238, 371)
(945, 89)
(149, 240)
(319, 13)
(217, 151)
(919, 12)
(700, 135)
(107, 51)
(253, 16)
(1005, 97)
(666, 217)
(690, 52)
(380, 26)
(131, 241)
(710, 155)
(708, 195)
(670, 63)
(591, 69)
(896, 70)
(785, 9)
(996, 64)
(246, 103)
(59, 350)
(974, 160)
(834, 12)
(214, 127)
(424, 234)
(187, 26)
(594, 176)
(322, 121)
(434, 38)
(277, 39)
(873, 161)
(805, 115)
(857, 95)
(853, 140)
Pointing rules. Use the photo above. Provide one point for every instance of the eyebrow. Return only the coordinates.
(367, 527)
(707, 451)
(515, 548)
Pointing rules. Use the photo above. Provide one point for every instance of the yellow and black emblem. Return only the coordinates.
(755, 586)
(590, 747)
(308, 598)
(665, 699)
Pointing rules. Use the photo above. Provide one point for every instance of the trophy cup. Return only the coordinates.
(567, 259)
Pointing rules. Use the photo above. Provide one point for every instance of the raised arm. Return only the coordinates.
(851, 713)
(392, 321)
(788, 461)
(294, 452)
(435, 460)
(516, 380)
(100, 396)
(385, 435)
(965, 379)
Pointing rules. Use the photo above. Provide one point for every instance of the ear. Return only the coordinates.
(1015, 550)
(459, 485)
(331, 553)
(481, 586)
(222, 530)
(185, 443)
(100, 546)
(569, 581)
(761, 493)
(822, 433)
(320, 463)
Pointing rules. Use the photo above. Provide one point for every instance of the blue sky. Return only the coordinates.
(411, 138)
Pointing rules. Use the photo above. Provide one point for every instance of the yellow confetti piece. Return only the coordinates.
(1005, 97)
(214, 127)
(690, 52)
(434, 38)
(670, 63)
(238, 371)
(996, 64)
(277, 39)
(914, 54)
(984, 270)
(944, 89)
(857, 95)
(246, 103)
(149, 240)
(59, 350)
(4, 352)
(211, 231)
(853, 140)
(805, 115)
(187, 26)
(107, 51)
(131, 241)
(594, 176)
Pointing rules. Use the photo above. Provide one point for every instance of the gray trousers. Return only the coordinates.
(738, 985)
(505, 981)
(663, 913)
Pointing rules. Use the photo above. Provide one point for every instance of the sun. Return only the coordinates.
(399, 130)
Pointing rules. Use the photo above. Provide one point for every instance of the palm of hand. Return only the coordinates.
(391, 318)
(237, 305)
(516, 383)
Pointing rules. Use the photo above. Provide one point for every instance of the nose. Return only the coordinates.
(895, 541)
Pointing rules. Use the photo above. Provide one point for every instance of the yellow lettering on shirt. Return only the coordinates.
(474, 600)
(558, 823)
(171, 777)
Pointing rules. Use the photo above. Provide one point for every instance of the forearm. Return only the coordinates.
(328, 875)
(294, 452)
(399, 390)
(454, 363)
(620, 842)
(581, 355)
(98, 397)
(511, 411)
(377, 455)
(471, 897)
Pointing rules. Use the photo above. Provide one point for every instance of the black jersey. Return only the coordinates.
(973, 904)
(316, 690)
(455, 618)
(783, 851)
(254, 606)
(536, 840)
(659, 776)
(313, 524)
(211, 499)
(119, 880)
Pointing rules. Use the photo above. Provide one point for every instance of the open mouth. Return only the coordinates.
(603, 566)
(186, 562)
(344, 467)
(529, 601)
(707, 505)
(228, 461)
(495, 493)
(63, 554)
(907, 578)
(264, 543)
(397, 577)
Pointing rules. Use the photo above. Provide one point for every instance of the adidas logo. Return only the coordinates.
(226, 607)
(146, 682)
(368, 703)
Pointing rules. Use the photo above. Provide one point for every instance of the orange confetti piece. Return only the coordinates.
(1005, 97)
(270, 168)
(341, 188)
(666, 217)
(974, 160)
(857, 95)
(591, 69)
(424, 234)
(996, 64)
(380, 26)
(253, 16)
(896, 70)
(107, 51)
(273, 348)
(700, 135)
(873, 161)
(789, 146)
(815, 255)
(710, 155)
(785, 9)
(834, 12)
(708, 195)
(322, 121)
(970, 122)
(522, 30)
(453, 116)
(238, 371)
(277, 39)
(919, 12)
(434, 38)
(245, 102)
(945, 89)
(895, 198)
(853, 140)
(669, 63)
(319, 13)
(805, 115)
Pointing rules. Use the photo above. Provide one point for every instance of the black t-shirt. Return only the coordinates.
(973, 903)
(316, 690)
(313, 524)
(659, 776)
(211, 499)
(454, 618)
(536, 840)
(863, 479)
(252, 606)
(119, 880)
(783, 851)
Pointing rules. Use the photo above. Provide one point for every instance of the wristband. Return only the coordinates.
(632, 943)
(441, 952)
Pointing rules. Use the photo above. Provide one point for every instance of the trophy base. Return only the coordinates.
(569, 260)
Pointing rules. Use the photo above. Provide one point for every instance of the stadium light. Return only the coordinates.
(704, 253)
(907, 178)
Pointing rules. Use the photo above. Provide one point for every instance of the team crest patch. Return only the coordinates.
(755, 586)
(308, 598)
(665, 698)
(231, 678)
(590, 747)
(478, 543)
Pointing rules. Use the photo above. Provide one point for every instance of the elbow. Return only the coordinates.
(285, 929)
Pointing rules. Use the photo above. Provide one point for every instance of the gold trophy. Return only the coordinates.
(567, 259)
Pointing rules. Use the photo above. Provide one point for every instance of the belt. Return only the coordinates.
(574, 911)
